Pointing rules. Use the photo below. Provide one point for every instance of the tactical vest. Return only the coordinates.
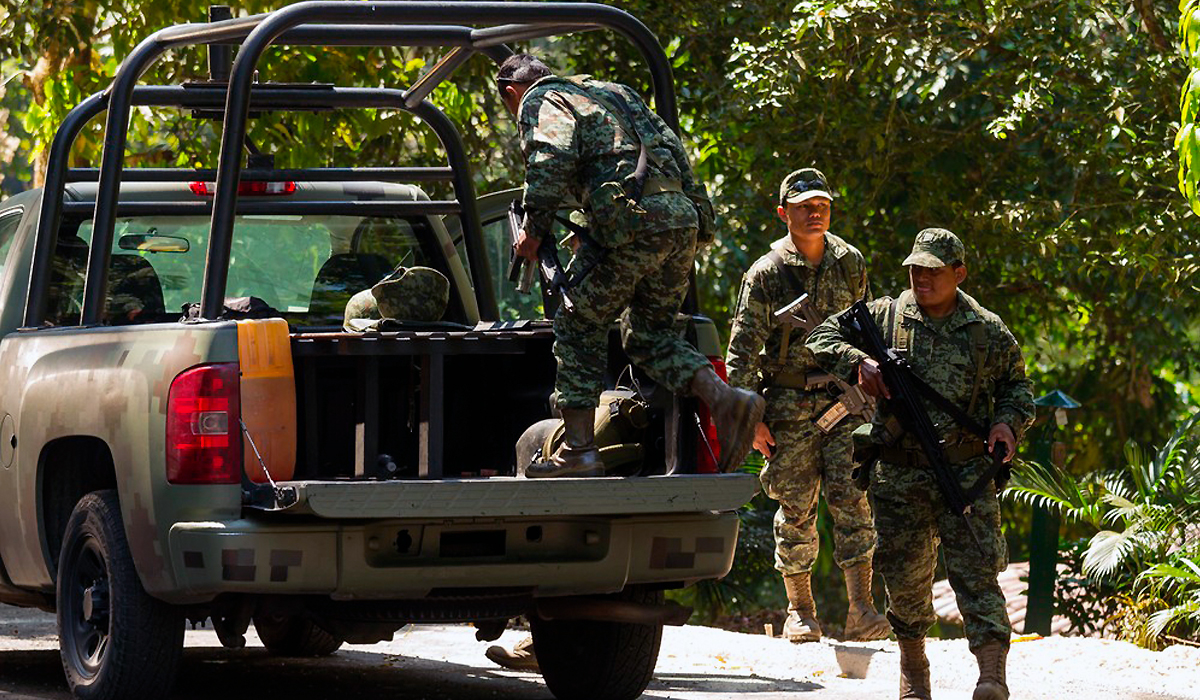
(797, 288)
(899, 336)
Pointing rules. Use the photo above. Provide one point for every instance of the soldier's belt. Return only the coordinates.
(955, 454)
(809, 381)
(657, 185)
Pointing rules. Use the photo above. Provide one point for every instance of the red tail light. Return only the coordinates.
(245, 188)
(708, 450)
(204, 443)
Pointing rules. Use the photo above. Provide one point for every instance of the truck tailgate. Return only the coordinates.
(513, 496)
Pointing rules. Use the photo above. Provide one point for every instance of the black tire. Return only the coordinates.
(115, 640)
(585, 660)
(292, 635)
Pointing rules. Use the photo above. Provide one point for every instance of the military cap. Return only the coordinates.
(407, 294)
(803, 184)
(936, 247)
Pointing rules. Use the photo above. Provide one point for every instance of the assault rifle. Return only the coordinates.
(549, 266)
(905, 402)
(852, 400)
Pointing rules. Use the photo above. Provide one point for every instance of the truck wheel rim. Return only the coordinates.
(88, 609)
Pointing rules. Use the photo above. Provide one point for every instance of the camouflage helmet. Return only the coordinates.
(407, 294)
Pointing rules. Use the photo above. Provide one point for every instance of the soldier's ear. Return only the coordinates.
(960, 273)
(782, 213)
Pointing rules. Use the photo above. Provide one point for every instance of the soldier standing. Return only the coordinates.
(966, 354)
(804, 458)
(599, 144)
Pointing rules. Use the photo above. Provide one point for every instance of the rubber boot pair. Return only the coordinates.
(914, 671)
(578, 454)
(736, 413)
(801, 624)
(863, 622)
(521, 658)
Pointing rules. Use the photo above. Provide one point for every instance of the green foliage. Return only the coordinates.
(1187, 139)
(1146, 549)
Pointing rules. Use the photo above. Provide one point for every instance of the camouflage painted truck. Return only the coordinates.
(169, 453)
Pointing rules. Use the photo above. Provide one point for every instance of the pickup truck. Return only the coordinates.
(170, 452)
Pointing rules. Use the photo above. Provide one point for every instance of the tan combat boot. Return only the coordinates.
(521, 658)
(801, 624)
(992, 684)
(914, 670)
(578, 454)
(736, 413)
(863, 622)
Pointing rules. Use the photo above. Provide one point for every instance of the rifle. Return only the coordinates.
(904, 386)
(554, 277)
(852, 400)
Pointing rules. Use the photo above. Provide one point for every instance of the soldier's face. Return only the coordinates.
(936, 287)
(808, 218)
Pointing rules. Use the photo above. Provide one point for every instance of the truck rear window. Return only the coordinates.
(305, 266)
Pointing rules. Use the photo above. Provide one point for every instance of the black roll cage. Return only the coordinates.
(310, 23)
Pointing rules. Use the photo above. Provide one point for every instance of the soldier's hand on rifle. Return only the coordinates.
(1000, 432)
(527, 246)
(764, 441)
(871, 379)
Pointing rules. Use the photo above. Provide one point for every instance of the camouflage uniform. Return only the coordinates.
(578, 146)
(805, 459)
(910, 515)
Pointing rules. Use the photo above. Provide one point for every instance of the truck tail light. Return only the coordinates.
(245, 188)
(204, 443)
(708, 450)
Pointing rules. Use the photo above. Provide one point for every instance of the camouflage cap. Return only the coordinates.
(936, 247)
(413, 294)
(407, 294)
(803, 184)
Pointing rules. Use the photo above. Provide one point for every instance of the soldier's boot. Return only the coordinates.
(578, 454)
(736, 413)
(801, 624)
(992, 684)
(863, 622)
(521, 658)
(914, 670)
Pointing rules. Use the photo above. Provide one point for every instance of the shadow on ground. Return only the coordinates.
(207, 673)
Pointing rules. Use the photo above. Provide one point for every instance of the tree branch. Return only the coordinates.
(1145, 11)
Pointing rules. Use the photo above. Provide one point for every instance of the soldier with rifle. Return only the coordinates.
(599, 144)
(809, 274)
(954, 402)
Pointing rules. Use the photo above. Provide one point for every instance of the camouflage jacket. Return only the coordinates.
(578, 147)
(756, 342)
(944, 355)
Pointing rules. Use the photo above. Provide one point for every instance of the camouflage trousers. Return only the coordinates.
(910, 518)
(807, 462)
(642, 282)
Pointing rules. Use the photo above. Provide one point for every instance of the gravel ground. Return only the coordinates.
(696, 663)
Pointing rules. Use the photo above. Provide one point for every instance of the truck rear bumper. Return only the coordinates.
(409, 559)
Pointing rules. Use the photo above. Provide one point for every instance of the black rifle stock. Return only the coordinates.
(906, 403)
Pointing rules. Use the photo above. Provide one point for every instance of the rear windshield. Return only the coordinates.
(304, 266)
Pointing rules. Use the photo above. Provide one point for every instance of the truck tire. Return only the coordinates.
(292, 635)
(587, 660)
(115, 640)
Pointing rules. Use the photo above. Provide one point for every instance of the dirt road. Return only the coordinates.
(444, 662)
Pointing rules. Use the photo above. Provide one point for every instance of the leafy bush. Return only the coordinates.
(1145, 553)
